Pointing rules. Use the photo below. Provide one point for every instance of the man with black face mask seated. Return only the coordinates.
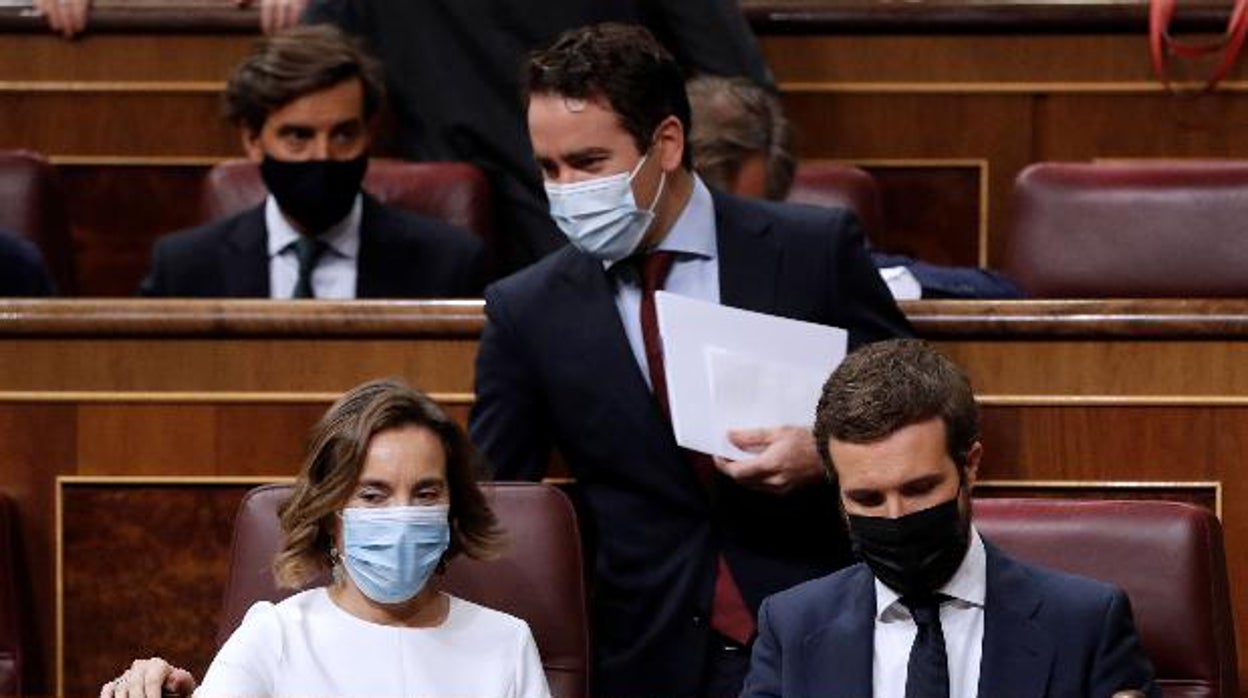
(304, 100)
(934, 610)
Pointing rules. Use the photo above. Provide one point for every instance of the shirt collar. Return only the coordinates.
(342, 238)
(693, 233)
(967, 586)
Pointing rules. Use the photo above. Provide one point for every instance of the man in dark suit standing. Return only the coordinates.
(304, 101)
(453, 70)
(934, 611)
(685, 548)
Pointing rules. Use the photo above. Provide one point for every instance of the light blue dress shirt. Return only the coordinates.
(336, 271)
(695, 271)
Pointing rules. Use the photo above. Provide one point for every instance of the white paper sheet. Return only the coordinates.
(729, 368)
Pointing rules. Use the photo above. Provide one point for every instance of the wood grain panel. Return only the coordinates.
(930, 212)
(132, 589)
(961, 59)
(155, 57)
(121, 123)
(264, 365)
(113, 251)
(866, 127)
(1176, 368)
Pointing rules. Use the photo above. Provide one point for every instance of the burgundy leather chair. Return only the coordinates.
(1173, 229)
(539, 576)
(830, 184)
(10, 625)
(32, 204)
(455, 192)
(1167, 556)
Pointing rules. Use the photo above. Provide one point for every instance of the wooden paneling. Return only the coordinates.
(932, 210)
(128, 122)
(131, 589)
(1085, 392)
(114, 250)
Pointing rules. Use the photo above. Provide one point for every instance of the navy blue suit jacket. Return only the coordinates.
(555, 369)
(402, 255)
(1046, 634)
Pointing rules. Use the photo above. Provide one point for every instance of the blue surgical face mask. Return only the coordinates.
(600, 217)
(390, 552)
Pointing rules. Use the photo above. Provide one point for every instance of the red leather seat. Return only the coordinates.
(455, 192)
(539, 576)
(1167, 556)
(830, 184)
(1130, 230)
(10, 625)
(34, 207)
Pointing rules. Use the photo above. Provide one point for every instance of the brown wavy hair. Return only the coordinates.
(336, 452)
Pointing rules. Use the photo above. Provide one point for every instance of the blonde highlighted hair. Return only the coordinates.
(336, 452)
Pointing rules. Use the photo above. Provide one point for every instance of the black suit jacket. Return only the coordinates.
(453, 70)
(555, 369)
(1046, 635)
(402, 255)
(22, 272)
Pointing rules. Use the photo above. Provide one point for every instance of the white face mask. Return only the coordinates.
(600, 216)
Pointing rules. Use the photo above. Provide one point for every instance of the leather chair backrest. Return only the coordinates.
(34, 208)
(10, 623)
(456, 192)
(1105, 230)
(539, 576)
(832, 185)
(1167, 556)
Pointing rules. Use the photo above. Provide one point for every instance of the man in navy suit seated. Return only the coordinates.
(570, 359)
(304, 101)
(934, 610)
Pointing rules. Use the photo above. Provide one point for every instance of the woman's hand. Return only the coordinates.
(150, 678)
(65, 16)
(276, 15)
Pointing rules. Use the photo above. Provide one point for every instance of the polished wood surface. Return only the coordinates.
(1071, 391)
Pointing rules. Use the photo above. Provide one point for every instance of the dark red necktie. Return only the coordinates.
(730, 616)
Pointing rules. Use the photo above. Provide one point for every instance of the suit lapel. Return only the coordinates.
(375, 270)
(841, 653)
(749, 260)
(1018, 653)
(245, 257)
(587, 298)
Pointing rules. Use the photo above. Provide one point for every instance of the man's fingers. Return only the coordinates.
(750, 439)
(154, 677)
(76, 11)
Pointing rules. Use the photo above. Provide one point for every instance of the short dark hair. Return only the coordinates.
(886, 386)
(734, 119)
(296, 62)
(621, 63)
(336, 453)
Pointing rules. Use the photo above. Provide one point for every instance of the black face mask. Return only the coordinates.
(314, 193)
(916, 553)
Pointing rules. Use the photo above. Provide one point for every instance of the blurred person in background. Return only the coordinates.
(743, 143)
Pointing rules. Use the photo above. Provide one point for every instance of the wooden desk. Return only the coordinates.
(1090, 392)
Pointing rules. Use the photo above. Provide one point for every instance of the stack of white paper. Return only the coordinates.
(729, 369)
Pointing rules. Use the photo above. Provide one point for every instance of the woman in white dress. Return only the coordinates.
(386, 497)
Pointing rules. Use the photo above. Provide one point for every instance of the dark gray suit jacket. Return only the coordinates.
(555, 369)
(22, 272)
(453, 70)
(1046, 635)
(402, 255)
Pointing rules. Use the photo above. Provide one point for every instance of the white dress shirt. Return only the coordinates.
(695, 271)
(335, 273)
(961, 618)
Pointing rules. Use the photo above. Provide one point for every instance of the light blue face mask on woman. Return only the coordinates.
(600, 216)
(390, 552)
